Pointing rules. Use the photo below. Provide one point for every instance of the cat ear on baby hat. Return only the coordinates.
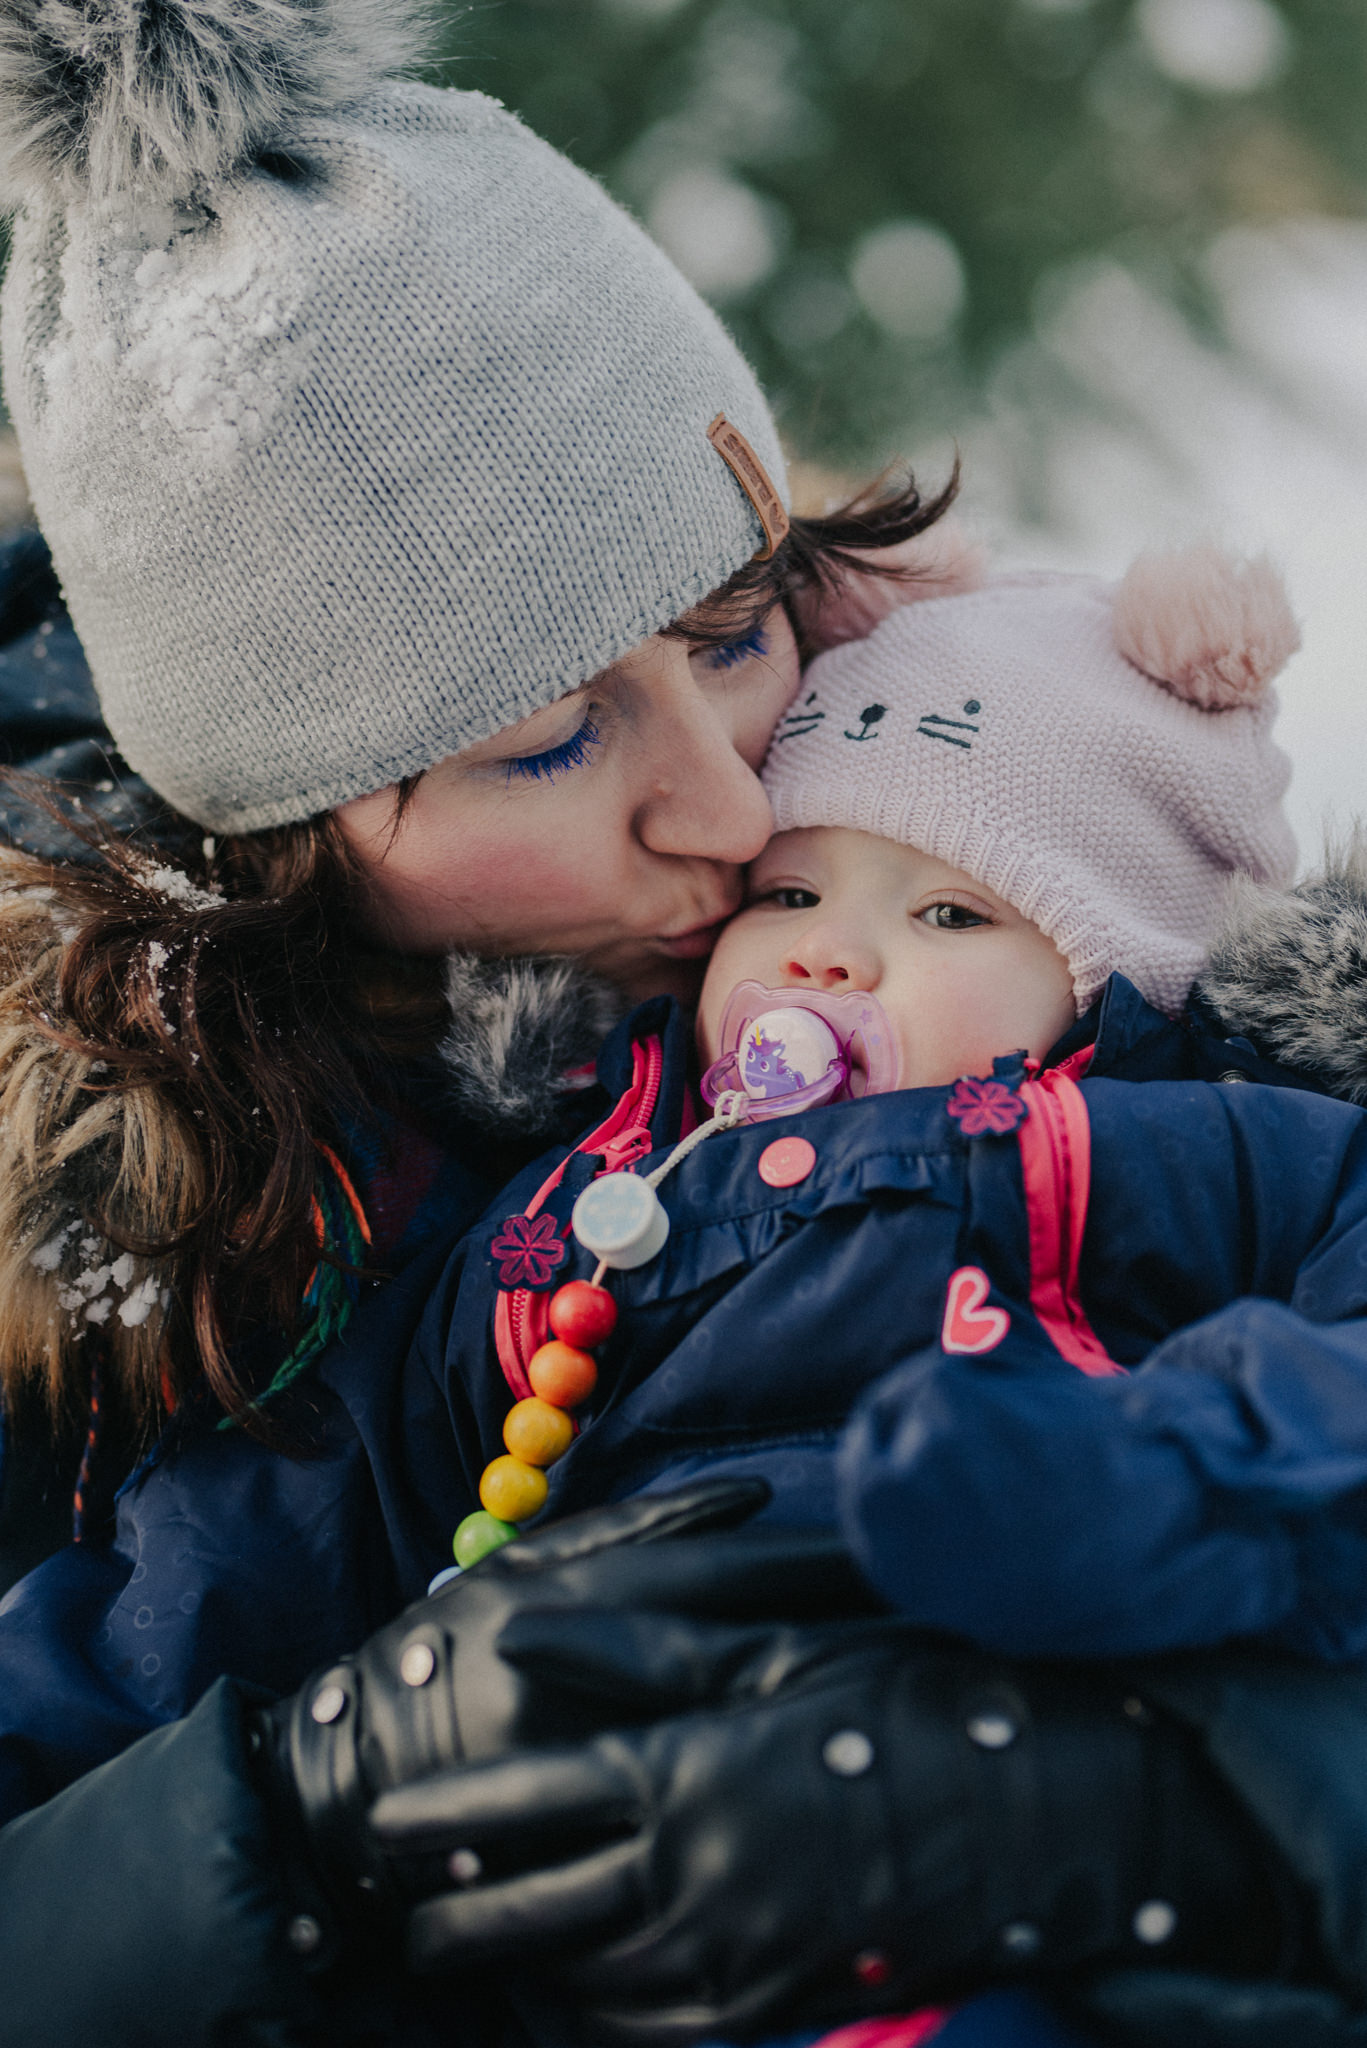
(1213, 630)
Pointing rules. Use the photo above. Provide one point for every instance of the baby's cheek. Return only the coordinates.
(735, 957)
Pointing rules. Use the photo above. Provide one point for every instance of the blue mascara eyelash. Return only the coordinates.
(571, 753)
(738, 650)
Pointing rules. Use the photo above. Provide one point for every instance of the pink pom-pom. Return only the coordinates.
(941, 563)
(1212, 630)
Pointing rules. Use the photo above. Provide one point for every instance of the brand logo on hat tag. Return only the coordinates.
(932, 721)
(753, 478)
(869, 716)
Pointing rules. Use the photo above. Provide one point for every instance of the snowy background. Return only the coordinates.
(1265, 448)
(1114, 250)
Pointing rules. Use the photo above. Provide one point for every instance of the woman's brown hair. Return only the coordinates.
(181, 1035)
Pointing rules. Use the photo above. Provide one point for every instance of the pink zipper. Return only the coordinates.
(1056, 1170)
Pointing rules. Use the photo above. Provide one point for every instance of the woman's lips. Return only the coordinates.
(694, 944)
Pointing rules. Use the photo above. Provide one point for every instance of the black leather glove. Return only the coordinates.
(432, 1689)
(893, 1821)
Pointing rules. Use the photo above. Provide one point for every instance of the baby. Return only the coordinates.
(988, 811)
(1076, 1364)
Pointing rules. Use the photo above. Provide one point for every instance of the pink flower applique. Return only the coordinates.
(528, 1248)
(985, 1106)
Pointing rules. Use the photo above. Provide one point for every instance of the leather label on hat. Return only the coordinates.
(753, 478)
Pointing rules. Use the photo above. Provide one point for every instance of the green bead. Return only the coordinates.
(477, 1535)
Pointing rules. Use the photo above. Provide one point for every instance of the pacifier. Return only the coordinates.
(790, 1049)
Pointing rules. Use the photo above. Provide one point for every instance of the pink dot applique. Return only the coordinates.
(787, 1161)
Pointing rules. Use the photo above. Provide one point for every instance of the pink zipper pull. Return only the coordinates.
(628, 1146)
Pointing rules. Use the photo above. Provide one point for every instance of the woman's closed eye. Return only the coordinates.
(553, 761)
(750, 644)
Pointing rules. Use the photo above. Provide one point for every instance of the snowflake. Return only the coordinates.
(985, 1106)
(528, 1250)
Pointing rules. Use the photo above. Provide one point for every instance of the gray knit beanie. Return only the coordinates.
(360, 423)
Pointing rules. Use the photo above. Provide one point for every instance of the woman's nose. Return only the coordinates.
(832, 960)
(704, 801)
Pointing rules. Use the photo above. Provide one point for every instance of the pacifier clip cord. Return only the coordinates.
(620, 1219)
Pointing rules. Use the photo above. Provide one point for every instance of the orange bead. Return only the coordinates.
(537, 1433)
(512, 1491)
(562, 1375)
(583, 1314)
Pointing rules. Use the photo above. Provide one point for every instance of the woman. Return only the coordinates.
(427, 539)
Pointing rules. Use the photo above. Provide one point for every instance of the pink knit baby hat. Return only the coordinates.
(1099, 755)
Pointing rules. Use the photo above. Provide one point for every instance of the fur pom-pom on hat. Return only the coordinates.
(160, 97)
(1212, 630)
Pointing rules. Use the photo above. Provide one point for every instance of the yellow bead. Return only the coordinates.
(512, 1491)
(537, 1432)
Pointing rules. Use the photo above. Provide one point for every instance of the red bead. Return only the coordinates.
(582, 1314)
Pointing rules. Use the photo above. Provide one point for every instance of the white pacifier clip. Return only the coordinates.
(621, 1219)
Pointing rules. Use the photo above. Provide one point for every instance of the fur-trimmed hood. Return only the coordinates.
(1289, 971)
(522, 1039)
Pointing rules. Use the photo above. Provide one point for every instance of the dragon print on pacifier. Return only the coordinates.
(791, 1049)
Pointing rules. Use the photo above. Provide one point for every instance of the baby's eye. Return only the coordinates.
(792, 898)
(950, 917)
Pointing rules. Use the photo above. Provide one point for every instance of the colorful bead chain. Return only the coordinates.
(539, 1430)
(619, 1219)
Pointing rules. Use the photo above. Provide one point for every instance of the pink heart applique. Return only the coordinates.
(968, 1326)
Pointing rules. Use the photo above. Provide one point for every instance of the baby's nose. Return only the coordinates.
(832, 961)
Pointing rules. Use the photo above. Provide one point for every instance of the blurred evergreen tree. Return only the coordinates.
(875, 193)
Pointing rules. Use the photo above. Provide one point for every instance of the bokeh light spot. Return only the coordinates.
(908, 276)
(719, 232)
(1220, 46)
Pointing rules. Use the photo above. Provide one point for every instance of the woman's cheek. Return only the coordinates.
(512, 891)
(535, 888)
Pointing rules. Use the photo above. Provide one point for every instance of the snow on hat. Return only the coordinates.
(359, 421)
(1098, 756)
